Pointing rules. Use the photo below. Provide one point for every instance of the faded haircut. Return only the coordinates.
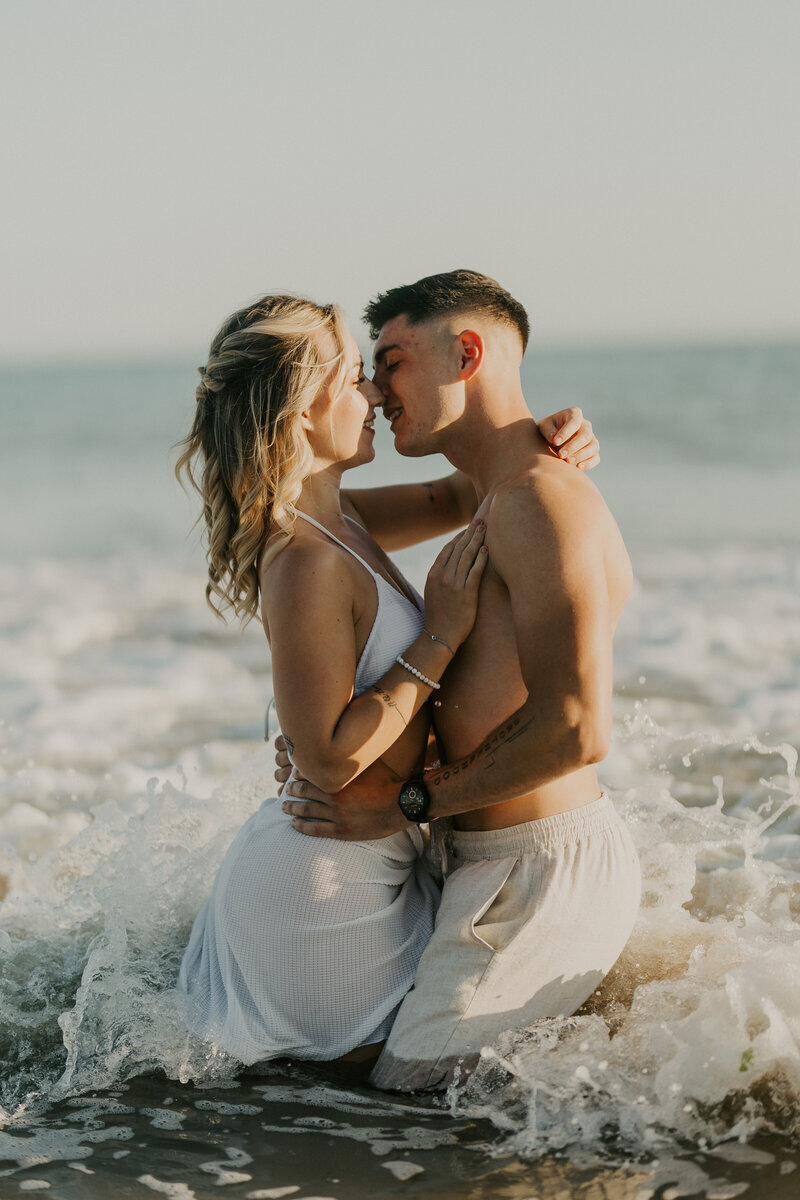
(444, 294)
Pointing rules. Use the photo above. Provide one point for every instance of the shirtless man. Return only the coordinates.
(541, 882)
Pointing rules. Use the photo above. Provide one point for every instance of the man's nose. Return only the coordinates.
(374, 395)
(381, 383)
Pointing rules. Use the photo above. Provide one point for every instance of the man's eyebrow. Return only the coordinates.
(379, 356)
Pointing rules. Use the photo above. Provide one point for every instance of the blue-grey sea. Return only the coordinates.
(131, 750)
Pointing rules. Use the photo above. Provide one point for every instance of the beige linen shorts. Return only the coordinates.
(531, 919)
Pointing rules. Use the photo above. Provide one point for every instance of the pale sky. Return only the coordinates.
(630, 171)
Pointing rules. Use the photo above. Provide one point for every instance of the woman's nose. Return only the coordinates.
(373, 393)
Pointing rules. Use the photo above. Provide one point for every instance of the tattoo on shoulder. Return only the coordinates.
(388, 701)
(486, 755)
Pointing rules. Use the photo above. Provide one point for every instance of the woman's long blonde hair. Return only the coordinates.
(247, 454)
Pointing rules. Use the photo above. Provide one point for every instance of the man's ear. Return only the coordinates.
(470, 352)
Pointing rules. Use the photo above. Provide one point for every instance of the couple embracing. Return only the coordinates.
(338, 927)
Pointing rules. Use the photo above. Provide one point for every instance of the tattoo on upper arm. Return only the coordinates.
(486, 755)
(431, 496)
(289, 744)
(387, 699)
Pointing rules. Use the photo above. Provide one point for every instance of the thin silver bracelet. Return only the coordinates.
(418, 674)
(441, 641)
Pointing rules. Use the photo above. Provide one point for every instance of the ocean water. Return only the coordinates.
(131, 750)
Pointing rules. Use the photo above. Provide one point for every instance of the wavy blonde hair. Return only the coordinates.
(247, 454)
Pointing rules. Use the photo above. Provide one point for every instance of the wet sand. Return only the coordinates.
(297, 1133)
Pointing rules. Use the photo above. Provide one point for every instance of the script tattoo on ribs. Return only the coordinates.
(486, 755)
(387, 699)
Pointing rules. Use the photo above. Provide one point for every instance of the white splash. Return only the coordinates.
(694, 1038)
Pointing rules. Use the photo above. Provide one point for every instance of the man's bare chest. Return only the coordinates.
(483, 684)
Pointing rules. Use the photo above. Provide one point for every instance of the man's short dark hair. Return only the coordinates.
(448, 292)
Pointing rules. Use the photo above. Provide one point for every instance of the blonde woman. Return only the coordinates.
(307, 946)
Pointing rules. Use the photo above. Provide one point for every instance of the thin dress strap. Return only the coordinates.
(375, 574)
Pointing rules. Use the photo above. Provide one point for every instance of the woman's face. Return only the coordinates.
(342, 421)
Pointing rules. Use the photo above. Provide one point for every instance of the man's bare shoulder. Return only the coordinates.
(556, 521)
(547, 498)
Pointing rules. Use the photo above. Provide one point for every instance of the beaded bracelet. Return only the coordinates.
(418, 674)
(441, 641)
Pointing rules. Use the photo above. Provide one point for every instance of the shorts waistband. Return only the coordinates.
(545, 833)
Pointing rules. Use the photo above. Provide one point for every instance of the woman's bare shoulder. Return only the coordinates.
(306, 570)
(301, 559)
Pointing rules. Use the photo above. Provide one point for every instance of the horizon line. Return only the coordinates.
(182, 356)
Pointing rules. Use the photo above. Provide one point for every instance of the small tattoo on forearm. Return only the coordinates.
(505, 734)
(509, 732)
(519, 732)
(431, 496)
(387, 699)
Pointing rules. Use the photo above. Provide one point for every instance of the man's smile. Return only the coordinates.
(392, 411)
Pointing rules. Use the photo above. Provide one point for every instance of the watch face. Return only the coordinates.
(414, 800)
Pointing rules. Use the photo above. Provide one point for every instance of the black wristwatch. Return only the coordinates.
(414, 799)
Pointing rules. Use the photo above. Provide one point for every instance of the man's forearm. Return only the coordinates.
(525, 751)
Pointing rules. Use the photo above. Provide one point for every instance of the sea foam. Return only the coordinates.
(132, 756)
